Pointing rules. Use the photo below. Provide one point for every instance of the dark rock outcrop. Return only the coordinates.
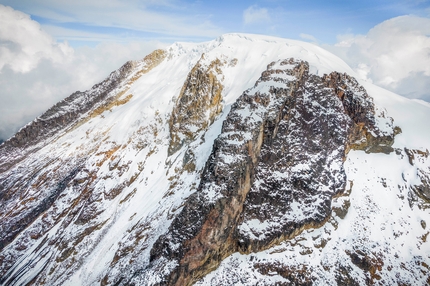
(198, 104)
(273, 170)
(422, 191)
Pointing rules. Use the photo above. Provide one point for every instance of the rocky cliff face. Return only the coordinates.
(274, 169)
(198, 104)
(246, 160)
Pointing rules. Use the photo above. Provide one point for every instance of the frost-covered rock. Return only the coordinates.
(274, 168)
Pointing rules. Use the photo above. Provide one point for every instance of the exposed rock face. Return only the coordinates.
(420, 192)
(273, 170)
(368, 263)
(70, 110)
(198, 104)
(365, 135)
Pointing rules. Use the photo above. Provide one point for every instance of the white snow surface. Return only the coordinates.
(380, 219)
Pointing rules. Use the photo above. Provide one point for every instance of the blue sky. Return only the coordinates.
(51, 48)
(91, 22)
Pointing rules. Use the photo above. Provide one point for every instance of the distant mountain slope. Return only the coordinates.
(243, 160)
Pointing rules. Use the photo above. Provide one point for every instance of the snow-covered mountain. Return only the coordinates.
(241, 161)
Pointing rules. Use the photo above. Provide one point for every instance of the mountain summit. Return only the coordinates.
(241, 161)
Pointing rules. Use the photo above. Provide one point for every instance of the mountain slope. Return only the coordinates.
(243, 160)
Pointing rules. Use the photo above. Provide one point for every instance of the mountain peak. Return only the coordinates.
(248, 159)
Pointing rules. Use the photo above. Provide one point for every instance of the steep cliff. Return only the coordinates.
(274, 169)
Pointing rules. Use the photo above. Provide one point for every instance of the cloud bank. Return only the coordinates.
(36, 71)
(23, 43)
(394, 54)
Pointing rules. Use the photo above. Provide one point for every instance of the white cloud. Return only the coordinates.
(308, 37)
(394, 54)
(36, 71)
(23, 44)
(253, 15)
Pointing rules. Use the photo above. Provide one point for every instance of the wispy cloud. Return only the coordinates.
(254, 14)
(308, 37)
(162, 18)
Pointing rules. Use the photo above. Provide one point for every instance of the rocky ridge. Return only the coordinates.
(273, 170)
(198, 104)
(73, 109)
